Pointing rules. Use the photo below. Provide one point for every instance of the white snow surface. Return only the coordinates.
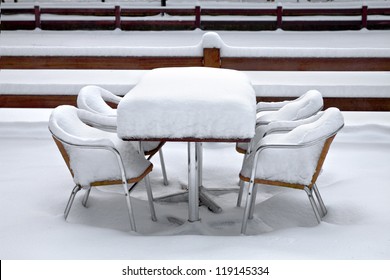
(273, 83)
(190, 102)
(35, 182)
(35, 185)
(362, 43)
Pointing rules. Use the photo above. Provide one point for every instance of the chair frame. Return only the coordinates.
(124, 181)
(150, 153)
(253, 182)
(248, 150)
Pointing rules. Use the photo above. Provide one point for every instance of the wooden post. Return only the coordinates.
(197, 17)
(118, 17)
(364, 16)
(279, 15)
(37, 12)
(212, 57)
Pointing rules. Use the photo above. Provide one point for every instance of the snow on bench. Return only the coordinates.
(266, 84)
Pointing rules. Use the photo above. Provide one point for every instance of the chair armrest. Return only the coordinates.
(92, 143)
(285, 126)
(270, 106)
(103, 122)
(112, 98)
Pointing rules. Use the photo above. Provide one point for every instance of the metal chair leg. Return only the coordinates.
(313, 204)
(129, 207)
(86, 196)
(150, 198)
(164, 172)
(241, 183)
(247, 208)
(320, 201)
(240, 192)
(253, 203)
(70, 201)
(200, 163)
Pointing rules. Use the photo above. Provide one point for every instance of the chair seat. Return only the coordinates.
(94, 99)
(96, 157)
(275, 165)
(87, 166)
(151, 147)
(293, 159)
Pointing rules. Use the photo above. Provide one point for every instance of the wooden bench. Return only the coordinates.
(210, 56)
(351, 91)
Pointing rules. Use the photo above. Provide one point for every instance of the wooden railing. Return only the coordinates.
(211, 58)
(204, 18)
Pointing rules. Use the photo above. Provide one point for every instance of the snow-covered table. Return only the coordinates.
(191, 104)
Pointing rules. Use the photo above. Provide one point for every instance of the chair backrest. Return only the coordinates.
(66, 124)
(300, 165)
(303, 107)
(77, 143)
(94, 99)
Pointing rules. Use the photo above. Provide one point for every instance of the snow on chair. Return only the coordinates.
(293, 159)
(96, 158)
(95, 99)
(303, 107)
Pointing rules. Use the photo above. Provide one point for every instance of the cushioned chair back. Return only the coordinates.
(301, 165)
(72, 136)
(307, 105)
(94, 99)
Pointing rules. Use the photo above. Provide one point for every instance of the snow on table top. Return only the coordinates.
(191, 102)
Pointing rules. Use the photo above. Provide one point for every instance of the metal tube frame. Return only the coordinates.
(193, 181)
(123, 179)
(251, 189)
(163, 170)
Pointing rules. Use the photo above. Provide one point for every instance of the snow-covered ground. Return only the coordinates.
(35, 185)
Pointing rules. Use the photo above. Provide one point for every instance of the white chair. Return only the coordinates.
(303, 107)
(96, 100)
(292, 159)
(97, 158)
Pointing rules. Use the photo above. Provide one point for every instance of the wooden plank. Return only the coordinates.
(245, 25)
(79, 11)
(345, 103)
(322, 12)
(52, 101)
(18, 24)
(212, 57)
(307, 63)
(36, 101)
(238, 63)
(96, 62)
(238, 12)
(78, 25)
(137, 12)
(378, 11)
(322, 25)
(14, 11)
(157, 25)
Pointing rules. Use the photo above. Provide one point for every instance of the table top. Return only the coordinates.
(189, 104)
